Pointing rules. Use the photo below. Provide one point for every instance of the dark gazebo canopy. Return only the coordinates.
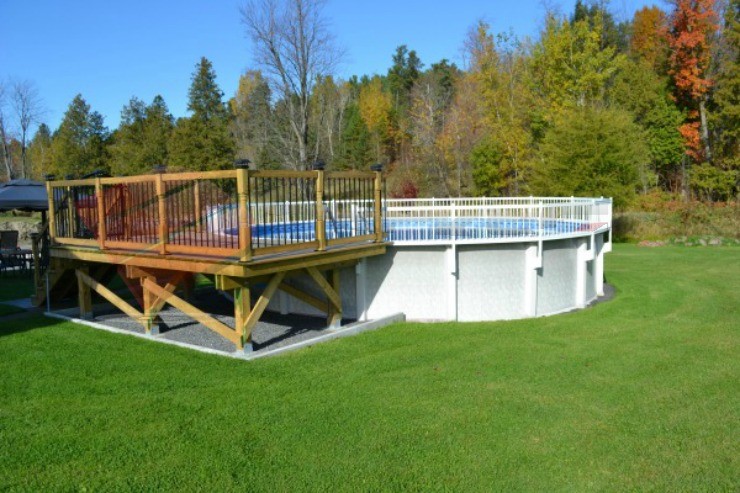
(23, 195)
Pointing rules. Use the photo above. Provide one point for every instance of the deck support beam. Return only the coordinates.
(84, 294)
(259, 307)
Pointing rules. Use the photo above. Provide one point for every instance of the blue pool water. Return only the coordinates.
(431, 229)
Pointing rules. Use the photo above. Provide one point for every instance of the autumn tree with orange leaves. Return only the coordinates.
(693, 23)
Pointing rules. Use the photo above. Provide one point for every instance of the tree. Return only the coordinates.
(78, 145)
(28, 109)
(202, 141)
(39, 151)
(649, 38)
(592, 152)
(5, 152)
(253, 119)
(725, 117)
(375, 107)
(402, 75)
(329, 102)
(294, 49)
(355, 150)
(693, 23)
(642, 92)
(570, 67)
(140, 143)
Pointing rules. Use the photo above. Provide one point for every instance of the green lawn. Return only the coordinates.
(641, 393)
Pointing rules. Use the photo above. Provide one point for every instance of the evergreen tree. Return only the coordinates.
(203, 141)
(140, 143)
(79, 144)
(355, 151)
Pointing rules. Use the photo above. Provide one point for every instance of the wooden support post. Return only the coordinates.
(261, 304)
(101, 212)
(241, 314)
(52, 213)
(188, 286)
(163, 229)
(245, 225)
(378, 206)
(149, 299)
(334, 313)
(320, 219)
(83, 294)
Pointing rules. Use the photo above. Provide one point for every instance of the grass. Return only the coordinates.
(15, 286)
(641, 393)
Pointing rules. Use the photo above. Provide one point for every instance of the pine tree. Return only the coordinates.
(79, 144)
(140, 142)
(203, 141)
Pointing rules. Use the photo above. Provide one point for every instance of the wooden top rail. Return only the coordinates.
(233, 213)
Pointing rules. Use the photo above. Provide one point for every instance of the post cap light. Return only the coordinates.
(49, 177)
(318, 166)
(377, 167)
(242, 163)
(160, 168)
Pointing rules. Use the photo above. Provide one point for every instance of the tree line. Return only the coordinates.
(592, 106)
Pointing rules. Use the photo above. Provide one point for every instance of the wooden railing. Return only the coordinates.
(235, 213)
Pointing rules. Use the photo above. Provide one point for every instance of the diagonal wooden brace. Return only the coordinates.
(331, 294)
(260, 306)
(202, 317)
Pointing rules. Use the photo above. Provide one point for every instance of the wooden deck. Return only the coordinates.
(241, 227)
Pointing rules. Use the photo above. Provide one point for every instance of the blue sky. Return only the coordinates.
(112, 50)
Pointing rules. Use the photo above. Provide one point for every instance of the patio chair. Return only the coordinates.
(9, 240)
(8, 247)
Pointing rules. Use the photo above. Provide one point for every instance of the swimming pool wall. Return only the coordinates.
(468, 282)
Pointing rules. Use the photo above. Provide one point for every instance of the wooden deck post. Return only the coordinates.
(378, 204)
(52, 214)
(242, 307)
(101, 212)
(320, 219)
(334, 319)
(245, 226)
(84, 294)
(163, 230)
(149, 300)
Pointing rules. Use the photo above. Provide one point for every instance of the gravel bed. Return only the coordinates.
(272, 331)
